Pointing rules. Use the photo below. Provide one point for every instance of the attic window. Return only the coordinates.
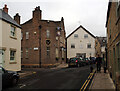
(58, 28)
(85, 36)
(75, 35)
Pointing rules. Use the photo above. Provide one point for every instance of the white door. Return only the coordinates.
(2, 57)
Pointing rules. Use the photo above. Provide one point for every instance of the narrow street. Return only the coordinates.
(66, 78)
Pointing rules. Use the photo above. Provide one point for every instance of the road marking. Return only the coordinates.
(84, 86)
(22, 85)
(34, 72)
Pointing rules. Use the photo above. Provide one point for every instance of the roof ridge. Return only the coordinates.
(83, 29)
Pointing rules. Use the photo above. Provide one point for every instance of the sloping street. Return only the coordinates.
(65, 78)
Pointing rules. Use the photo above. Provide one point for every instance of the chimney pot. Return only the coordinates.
(5, 9)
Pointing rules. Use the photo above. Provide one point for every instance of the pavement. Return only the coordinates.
(27, 73)
(102, 81)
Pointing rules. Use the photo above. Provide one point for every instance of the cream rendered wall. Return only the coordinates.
(71, 52)
(7, 43)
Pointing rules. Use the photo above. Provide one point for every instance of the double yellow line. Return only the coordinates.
(84, 86)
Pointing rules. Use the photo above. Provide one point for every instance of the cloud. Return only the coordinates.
(89, 13)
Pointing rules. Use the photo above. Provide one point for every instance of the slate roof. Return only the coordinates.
(6, 17)
(83, 29)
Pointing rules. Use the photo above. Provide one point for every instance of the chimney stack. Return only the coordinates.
(37, 14)
(17, 18)
(5, 9)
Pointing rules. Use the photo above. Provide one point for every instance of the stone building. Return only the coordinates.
(113, 41)
(100, 45)
(10, 41)
(81, 43)
(43, 41)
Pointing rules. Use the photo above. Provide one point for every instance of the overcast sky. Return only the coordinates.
(91, 14)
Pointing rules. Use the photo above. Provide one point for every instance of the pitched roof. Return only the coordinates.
(6, 17)
(83, 29)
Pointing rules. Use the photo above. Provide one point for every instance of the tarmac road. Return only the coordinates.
(54, 79)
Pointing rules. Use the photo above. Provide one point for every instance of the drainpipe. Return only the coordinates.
(40, 45)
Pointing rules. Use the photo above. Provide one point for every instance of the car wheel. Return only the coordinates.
(14, 81)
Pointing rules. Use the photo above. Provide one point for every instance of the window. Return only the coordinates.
(88, 45)
(81, 46)
(48, 51)
(12, 55)
(103, 41)
(75, 35)
(58, 28)
(72, 45)
(27, 35)
(21, 36)
(85, 36)
(48, 33)
(12, 31)
(57, 52)
(1, 70)
(26, 52)
(21, 53)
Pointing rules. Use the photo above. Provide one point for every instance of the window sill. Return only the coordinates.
(13, 37)
(12, 62)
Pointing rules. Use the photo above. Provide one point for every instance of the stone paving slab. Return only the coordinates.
(102, 81)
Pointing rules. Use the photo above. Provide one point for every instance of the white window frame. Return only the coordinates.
(48, 33)
(26, 53)
(13, 31)
(12, 55)
(27, 35)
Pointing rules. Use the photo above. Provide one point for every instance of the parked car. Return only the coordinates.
(87, 61)
(93, 59)
(9, 78)
(75, 62)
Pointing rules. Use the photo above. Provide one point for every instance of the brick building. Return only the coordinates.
(43, 41)
(113, 39)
